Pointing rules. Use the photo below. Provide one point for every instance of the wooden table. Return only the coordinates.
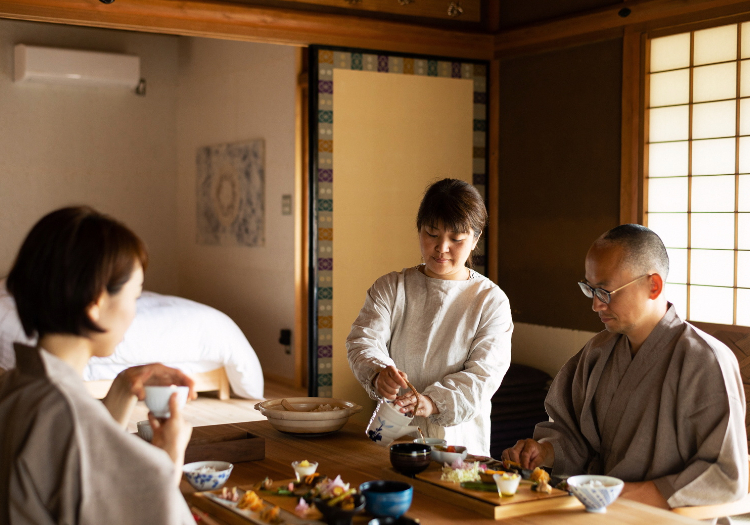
(349, 453)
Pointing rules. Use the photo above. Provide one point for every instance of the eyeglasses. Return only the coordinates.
(602, 294)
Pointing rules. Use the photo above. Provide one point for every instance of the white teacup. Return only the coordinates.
(157, 398)
(388, 423)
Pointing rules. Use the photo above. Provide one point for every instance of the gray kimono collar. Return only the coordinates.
(39, 363)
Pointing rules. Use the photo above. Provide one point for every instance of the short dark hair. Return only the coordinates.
(644, 249)
(67, 260)
(454, 204)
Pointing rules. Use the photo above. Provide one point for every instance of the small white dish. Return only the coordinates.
(157, 398)
(207, 480)
(433, 442)
(507, 484)
(145, 431)
(442, 456)
(303, 471)
(595, 498)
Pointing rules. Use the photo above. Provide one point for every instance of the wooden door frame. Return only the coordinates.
(246, 22)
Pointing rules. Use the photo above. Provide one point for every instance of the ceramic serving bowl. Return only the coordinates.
(207, 480)
(595, 498)
(386, 499)
(335, 515)
(410, 458)
(442, 456)
(304, 422)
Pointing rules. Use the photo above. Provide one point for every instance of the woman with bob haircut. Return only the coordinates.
(440, 324)
(66, 457)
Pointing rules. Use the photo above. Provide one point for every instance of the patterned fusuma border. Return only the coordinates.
(329, 60)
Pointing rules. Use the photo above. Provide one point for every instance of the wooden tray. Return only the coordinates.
(203, 501)
(286, 503)
(229, 443)
(488, 504)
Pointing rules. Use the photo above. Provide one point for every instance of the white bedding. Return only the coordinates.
(171, 330)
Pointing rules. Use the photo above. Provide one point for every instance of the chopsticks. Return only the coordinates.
(414, 391)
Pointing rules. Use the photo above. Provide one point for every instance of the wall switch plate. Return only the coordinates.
(286, 204)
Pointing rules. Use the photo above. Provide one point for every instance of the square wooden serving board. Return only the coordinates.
(489, 504)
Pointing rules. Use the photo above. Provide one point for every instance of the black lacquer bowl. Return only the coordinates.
(410, 458)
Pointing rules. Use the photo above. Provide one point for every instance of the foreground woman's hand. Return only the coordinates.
(530, 454)
(128, 387)
(408, 403)
(388, 382)
(172, 435)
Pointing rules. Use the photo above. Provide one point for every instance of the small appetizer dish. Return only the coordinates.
(410, 458)
(448, 454)
(340, 514)
(207, 475)
(595, 492)
(507, 483)
(304, 468)
(337, 501)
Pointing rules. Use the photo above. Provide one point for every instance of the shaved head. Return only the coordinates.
(643, 250)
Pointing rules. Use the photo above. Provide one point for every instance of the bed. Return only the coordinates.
(199, 340)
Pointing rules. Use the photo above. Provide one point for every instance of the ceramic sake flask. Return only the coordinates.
(388, 423)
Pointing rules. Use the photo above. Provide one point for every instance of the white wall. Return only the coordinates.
(229, 92)
(111, 149)
(545, 347)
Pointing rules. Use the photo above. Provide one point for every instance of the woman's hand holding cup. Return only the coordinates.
(137, 377)
(173, 434)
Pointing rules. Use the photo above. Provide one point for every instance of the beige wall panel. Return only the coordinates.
(231, 92)
(63, 145)
(393, 135)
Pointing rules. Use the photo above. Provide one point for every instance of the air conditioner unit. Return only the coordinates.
(70, 66)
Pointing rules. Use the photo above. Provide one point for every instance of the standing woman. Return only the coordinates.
(440, 324)
(65, 457)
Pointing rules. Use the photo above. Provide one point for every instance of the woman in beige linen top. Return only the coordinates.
(441, 325)
(65, 457)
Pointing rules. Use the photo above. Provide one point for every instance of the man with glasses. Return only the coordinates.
(651, 400)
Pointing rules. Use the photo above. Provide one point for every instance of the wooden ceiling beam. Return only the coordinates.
(236, 21)
(609, 21)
